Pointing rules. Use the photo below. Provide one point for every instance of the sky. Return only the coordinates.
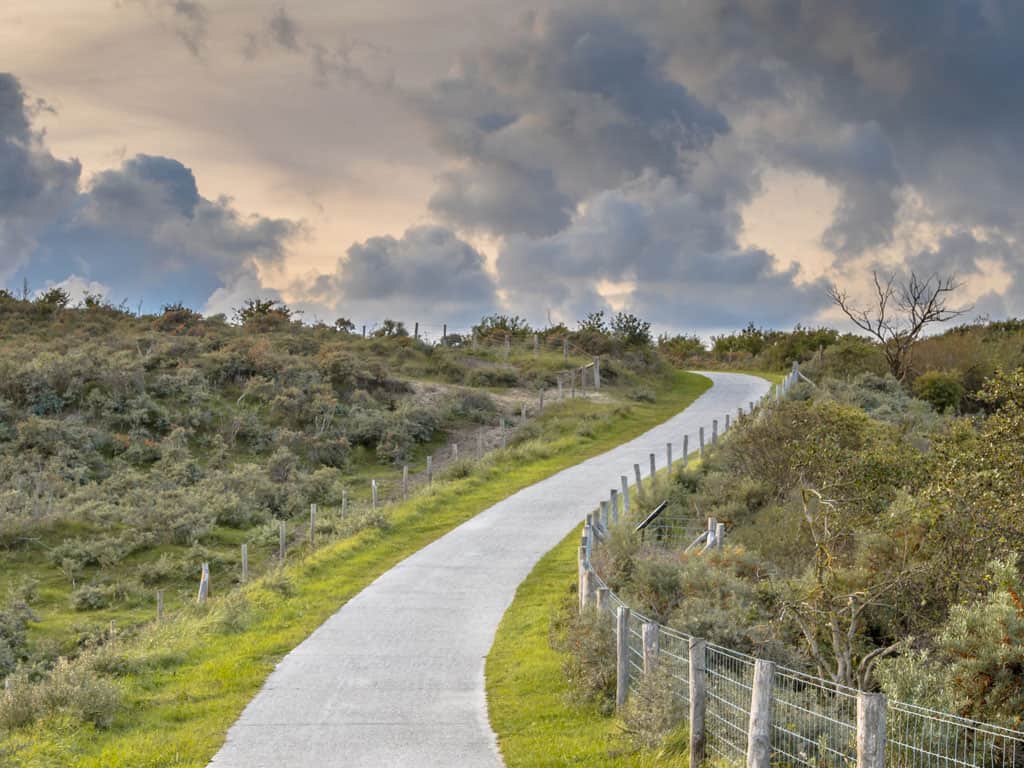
(702, 164)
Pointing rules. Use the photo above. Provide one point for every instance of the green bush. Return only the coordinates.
(942, 390)
(588, 641)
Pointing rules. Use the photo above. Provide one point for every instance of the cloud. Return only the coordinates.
(34, 185)
(576, 103)
(676, 249)
(429, 273)
(142, 229)
(284, 31)
(190, 24)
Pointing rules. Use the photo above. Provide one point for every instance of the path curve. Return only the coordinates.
(396, 676)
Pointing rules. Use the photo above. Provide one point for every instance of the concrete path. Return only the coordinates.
(396, 677)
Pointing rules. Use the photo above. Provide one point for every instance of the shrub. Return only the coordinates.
(90, 598)
(588, 641)
(942, 390)
(655, 710)
(493, 377)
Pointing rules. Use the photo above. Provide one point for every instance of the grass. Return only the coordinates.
(187, 680)
(527, 693)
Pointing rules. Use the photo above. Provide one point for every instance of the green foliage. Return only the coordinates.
(497, 326)
(630, 331)
(588, 641)
(942, 390)
(70, 689)
(263, 315)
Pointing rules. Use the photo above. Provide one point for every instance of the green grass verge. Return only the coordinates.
(187, 680)
(527, 693)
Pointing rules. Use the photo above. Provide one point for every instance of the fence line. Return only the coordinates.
(743, 709)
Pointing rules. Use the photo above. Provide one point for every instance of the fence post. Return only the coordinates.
(625, 493)
(686, 450)
(871, 730)
(668, 458)
(344, 502)
(159, 605)
(455, 451)
(719, 534)
(522, 411)
(615, 505)
(536, 344)
(312, 523)
(727, 422)
(700, 437)
(416, 332)
(751, 407)
(281, 542)
(204, 584)
(364, 331)
(245, 563)
(714, 431)
(759, 731)
(565, 348)
(602, 599)
(597, 373)
(560, 387)
(504, 433)
(586, 588)
(405, 481)
(712, 529)
(430, 470)
(651, 647)
(541, 401)
(444, 334)
(653, 471)
(604, 516)
(621, 656)
(581, 567)
(480, 441)
(698, 700)
(373, 494)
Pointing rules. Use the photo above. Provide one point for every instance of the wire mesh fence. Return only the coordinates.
(814, 723)
(919, 737)
(730, 680)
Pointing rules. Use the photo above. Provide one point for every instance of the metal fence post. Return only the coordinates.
(698, 700)
(759, 731)
(650, 642)
(621, 656)
(871, 711)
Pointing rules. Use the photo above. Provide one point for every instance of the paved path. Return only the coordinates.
(396, 676)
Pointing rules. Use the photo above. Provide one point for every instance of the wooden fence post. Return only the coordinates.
(204, 584)
(759, 730)
(700, 437)
(597, 373)
(651, 646)
(373, 494)
(565, 348)
(727, 422)
(364, 331)
(588, 592)
(653, 472)
(606, 517)
(560, 395)
(581, 567)
(719, 534)
(621, 656)
(615, 504)
(602, 599)
(750, 407)
(281, 542)
(714, 431)
(698, 701)
(536, 344)
(480, 441)
(430, 470)
(455, 451)
(444, 334)
(416, 332)
(245, 563)
(871, 711)
(541, 409)
(312, 523)
(522, 412)
(668, 458)
(686, 450)
(159, 605)
(625, 494)
(405, 481)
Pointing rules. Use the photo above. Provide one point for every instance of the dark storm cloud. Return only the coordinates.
(34, 185)
(143, 229)
(284, 31)
(428, 273)
(575, 104)
(678, 248)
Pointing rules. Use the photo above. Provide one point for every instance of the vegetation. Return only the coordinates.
(874, 540)
(225, 427)
(527, 695)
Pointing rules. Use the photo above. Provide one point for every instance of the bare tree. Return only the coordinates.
(900, 313)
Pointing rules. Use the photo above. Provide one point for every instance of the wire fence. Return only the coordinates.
(814, 723)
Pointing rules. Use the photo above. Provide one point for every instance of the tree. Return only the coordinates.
(630, 330)
(57, 298)
(344, 325)
(900, 312)
(391, 329)
(263, 314)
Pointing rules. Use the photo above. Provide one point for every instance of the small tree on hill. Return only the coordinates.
(900, 312)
